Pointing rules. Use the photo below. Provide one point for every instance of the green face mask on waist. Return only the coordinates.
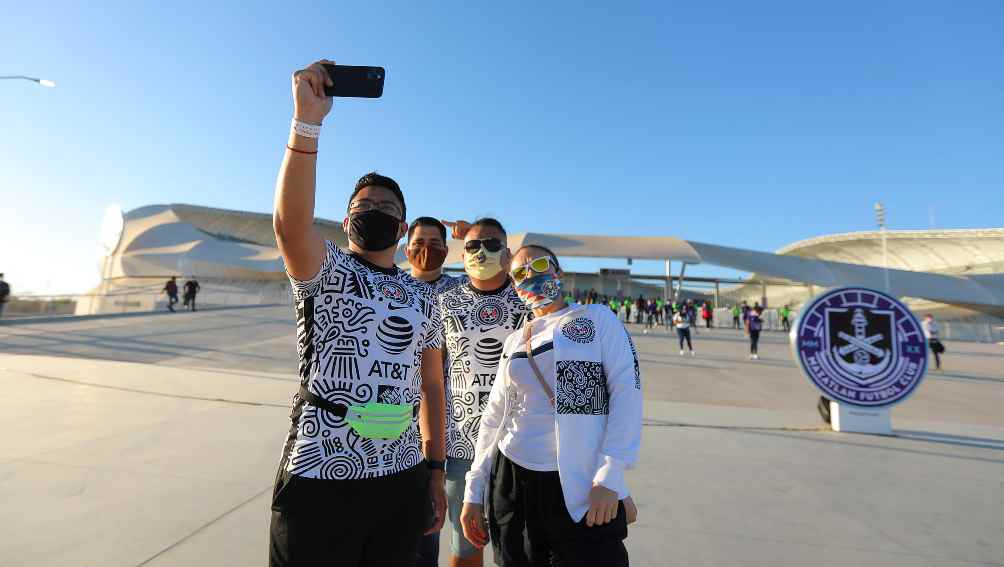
(379, 421)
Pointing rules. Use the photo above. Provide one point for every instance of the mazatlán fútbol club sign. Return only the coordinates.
(860, 347)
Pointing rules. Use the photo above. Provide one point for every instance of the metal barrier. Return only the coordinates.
(145, 300)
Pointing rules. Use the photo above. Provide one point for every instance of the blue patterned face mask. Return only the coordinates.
(539, 291)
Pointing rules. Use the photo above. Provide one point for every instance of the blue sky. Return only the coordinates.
(750, 124)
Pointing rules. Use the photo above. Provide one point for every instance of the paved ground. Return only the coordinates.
(153, 440)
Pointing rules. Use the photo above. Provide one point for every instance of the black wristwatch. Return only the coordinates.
(436, 465)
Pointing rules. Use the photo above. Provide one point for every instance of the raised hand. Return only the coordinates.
(310, 104)
(458, 229)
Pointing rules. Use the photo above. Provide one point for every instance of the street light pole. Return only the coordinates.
(43, 82)
(880, 219)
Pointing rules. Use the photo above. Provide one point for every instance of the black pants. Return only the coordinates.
(935, 346)
(171, 300)
(374, 522)
(754, 341)
(190, 302)
(684, 334)
(530, 525)
(428, 551)
(785, 324)
(735, 322)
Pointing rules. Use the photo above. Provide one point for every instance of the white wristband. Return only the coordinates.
(306, 129)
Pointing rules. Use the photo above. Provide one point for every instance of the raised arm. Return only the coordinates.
(302, 248)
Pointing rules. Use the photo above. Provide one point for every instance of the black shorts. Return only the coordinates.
(375, 521)
(530, 525)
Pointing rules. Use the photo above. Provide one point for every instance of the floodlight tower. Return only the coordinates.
(880, 219)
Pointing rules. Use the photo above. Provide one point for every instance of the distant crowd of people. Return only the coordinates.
(683, 315)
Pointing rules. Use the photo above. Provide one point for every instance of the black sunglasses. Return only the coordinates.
(490, 244)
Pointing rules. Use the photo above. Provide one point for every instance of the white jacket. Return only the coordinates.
(598, 413)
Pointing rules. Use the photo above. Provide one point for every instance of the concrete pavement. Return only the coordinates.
(153, 441)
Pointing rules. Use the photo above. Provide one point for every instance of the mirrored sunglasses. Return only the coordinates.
(539, 265)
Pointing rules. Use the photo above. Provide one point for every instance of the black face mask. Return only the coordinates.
(373, 230)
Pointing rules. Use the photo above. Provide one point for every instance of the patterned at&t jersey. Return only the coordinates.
(475, 324)
(361, 330)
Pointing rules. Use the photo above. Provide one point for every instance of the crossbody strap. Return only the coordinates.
(527, 333)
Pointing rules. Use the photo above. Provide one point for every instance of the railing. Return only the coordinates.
(23, 306)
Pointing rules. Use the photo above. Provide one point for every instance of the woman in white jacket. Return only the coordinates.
(561, 425)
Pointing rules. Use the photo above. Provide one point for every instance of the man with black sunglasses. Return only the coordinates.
(477, 316)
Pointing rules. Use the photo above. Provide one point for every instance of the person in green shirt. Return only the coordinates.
(736, 312)
(785, 313)
(658, 310)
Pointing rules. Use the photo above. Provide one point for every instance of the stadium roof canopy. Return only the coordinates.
(960, 267)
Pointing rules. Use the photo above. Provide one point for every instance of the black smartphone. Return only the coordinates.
(358, 82)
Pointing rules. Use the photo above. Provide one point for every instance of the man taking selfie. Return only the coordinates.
(355, 484)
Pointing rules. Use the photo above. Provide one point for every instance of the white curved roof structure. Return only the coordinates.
(958, 267)
(160, 240)
(962, 252)
(984, 288)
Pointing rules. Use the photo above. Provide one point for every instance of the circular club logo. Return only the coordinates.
(860, 347)
(580, 330)
(490, 311)
(394, 291)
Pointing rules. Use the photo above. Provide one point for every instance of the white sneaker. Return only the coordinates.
(691, 353)
(756, 357)
(681, 353)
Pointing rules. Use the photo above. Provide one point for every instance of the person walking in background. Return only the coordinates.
(690, 310)
(754, 324)
(649, 315)
(682, 323)
(4, 293)
(706, 314)
(744, 312)
(736, 312)
(171, 289)
(932, 332)
(191, 290)
(785, 314)
(626, 304)
(640, 311)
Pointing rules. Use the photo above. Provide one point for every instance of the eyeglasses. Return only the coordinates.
(539, 265)
(363, 205)
(490, 244)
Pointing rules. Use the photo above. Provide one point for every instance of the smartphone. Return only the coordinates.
(358, 82)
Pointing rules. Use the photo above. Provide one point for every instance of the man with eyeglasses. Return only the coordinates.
(477, 316)
(355, 484)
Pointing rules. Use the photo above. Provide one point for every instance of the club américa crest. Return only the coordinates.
(581, 330)
(393, 291)
(860, 347)
(490, 311)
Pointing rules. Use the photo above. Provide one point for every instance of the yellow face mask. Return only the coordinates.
(483, 265)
